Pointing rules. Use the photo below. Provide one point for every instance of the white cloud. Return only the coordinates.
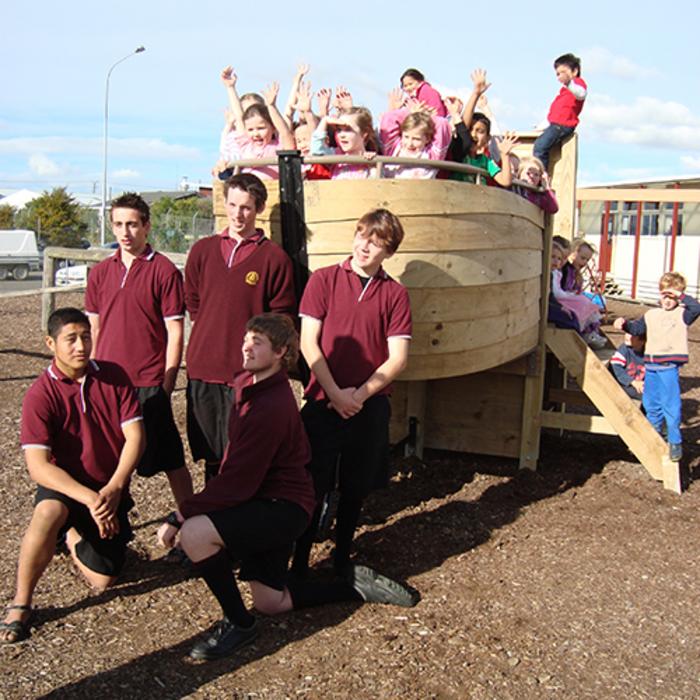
(126, 174)
(691, 162)
(647, 121)
(132, 147)
(41, 165)
(601, 60)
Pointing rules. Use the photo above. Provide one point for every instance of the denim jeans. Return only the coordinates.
(551, 136)
(662, 399)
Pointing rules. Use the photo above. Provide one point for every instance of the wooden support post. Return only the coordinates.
(417, 400)
(48, 298)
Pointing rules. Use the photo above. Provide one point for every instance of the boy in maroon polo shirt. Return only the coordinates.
(355, 333)
(82, 435)
(229, 278)
(136, 306)
(260, 502)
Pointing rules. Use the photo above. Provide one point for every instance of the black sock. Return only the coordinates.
(349, 508)
(218, 575)
(309, 594)
(211, 469)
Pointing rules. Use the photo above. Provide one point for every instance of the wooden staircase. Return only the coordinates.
(619, 413)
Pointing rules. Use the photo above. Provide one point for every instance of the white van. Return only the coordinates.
(18, 254)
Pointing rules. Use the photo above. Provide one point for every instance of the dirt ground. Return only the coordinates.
(577, 581)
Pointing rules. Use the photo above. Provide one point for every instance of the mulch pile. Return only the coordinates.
(576, 581)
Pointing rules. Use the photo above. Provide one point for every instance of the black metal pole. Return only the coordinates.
(294, 227)
(292, 216)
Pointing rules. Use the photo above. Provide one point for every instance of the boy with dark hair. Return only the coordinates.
(355, 333)
(82, 435)
(627, 364)
(564, 111)
(135, 302)
(666, 330)
(229, 277)
(260, 502)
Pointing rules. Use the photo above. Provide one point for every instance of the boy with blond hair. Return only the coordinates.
(666, 330)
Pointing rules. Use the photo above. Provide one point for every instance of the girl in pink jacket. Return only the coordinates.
(414, 85)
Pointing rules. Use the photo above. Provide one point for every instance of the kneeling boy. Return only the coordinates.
(260, 502)
(82, 436)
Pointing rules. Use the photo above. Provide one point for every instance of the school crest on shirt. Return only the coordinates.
(252, 278)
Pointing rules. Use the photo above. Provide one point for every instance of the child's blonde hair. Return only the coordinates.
(422, 121)
(562, 242)
(672, 280)
(525, 161)
(582, 243)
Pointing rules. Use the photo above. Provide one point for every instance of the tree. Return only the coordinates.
(56, 217)
(176, 224)
(7, 216)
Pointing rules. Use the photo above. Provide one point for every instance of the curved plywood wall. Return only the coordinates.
(471, 261)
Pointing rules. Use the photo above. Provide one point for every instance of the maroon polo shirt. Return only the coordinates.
(267, 452)
(239, 250)
(133, 306)
(221, 299)
(80, 422)
(357, 322)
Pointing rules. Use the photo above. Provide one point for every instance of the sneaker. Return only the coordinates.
(595, 340)
(375, 588)
(675, 452)
(223, 641)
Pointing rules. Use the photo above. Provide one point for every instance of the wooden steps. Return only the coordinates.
(620, 415)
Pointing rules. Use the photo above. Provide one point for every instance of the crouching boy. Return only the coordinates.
(666, 329)
(253, 510)
(82, 436)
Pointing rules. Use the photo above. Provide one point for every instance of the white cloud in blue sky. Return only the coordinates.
(166, 105)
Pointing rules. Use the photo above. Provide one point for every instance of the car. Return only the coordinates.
(71, 275)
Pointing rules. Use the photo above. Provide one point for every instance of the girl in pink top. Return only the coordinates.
(411, 132)
(414, 85)
(531, 170)
(354, 136)
(263, 132)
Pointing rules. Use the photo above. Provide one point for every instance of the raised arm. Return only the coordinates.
(285, 133)
(505, 177)
(577, 88)
(229, 79)
(291, 105)
(480, 86)
(303, 104)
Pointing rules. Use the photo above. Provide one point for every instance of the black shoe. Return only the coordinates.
(223, 641)
(375, 588)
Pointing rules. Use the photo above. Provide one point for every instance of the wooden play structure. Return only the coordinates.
(475, 260)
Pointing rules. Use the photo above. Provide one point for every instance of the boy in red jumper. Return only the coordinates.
(136, 305)
(260, 502)
(229, 277)
(355, 333)
(82, 436)
(565, 109)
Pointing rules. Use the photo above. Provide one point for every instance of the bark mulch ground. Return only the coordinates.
(576, 581)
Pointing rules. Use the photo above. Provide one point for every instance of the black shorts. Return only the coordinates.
(359, 445)
(164, 451)
(99, 555)
(260, 534)
(208, 409)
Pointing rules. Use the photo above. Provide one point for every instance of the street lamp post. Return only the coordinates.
(103, 209)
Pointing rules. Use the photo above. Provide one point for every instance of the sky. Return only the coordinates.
(641, 119)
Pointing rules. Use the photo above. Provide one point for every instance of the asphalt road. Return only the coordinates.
(32, 282)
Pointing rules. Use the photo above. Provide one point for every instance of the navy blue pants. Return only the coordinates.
(550, 137)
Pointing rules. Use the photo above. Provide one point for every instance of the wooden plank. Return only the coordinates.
(575, 397)
(563, 166)
(479, 413)
(609, 398)
(456, 364)
(462, 303)
(428, 232)
(577, 422)
(628, 194)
